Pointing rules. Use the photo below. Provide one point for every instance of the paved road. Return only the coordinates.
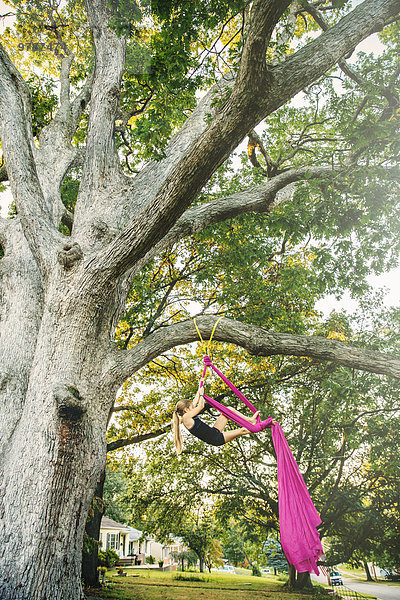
(380, 590)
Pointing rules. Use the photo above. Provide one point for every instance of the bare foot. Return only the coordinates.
(253, 419)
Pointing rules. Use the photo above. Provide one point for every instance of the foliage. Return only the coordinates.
(233, 544)
(276, 559)
(114, 488)
(108, 558)
(191, 577)
(150, 560)
(185, 556)
(89, 544)
(213, 555)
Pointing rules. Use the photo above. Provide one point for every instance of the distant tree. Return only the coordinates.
(276, 559)
(213, 555)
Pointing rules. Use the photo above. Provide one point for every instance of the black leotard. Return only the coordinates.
(210, 435)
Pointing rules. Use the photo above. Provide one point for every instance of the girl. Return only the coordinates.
(186, 411)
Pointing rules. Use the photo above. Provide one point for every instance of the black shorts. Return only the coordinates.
(210, 435)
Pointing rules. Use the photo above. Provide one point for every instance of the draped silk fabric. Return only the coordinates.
(298, 517)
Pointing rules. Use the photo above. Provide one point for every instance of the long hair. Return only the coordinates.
(176, 423)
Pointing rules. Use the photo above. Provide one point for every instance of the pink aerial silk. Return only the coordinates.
(298, 517)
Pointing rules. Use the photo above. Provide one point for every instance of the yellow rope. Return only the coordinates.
(206, 345)
(198, 331)
(212, 333)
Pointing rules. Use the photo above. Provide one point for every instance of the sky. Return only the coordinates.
(390, 281)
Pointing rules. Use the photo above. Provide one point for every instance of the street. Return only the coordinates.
(380, 590)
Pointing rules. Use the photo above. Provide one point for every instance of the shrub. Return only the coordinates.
(108, 559)
(256, 570)
(150, 560)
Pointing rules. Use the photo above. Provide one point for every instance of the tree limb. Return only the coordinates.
(17, 141)
(262, 198)
(55, 155)
(264, 15)
(121, 364)
(118, 444)
(102, 163)
(234, 119)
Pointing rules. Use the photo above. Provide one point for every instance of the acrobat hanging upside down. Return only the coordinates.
(187, 411)
(298, 517)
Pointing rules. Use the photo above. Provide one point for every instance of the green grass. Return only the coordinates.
(155, 585)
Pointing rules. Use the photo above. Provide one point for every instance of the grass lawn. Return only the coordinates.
(150, 585)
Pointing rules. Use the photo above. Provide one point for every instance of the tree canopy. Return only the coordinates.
(135, 207)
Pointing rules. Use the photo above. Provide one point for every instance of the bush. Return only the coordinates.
(256, 570)
(108, 559)
(150, 560)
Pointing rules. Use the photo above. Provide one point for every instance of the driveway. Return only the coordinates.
(380, 590)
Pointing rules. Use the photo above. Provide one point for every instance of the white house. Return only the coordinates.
(115, 536)
(129, 543)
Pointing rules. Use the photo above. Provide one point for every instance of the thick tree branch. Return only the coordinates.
(264, 15)
(257, 341)
(102, 164)
(235, 118)
(262, 198)
(55, 155)
(118, 444)
(17, 141)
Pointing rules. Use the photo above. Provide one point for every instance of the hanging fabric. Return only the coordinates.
(298, 517)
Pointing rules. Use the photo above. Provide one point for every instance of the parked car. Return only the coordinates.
(390, 575)
(266, 571)
(228, 569)
(335, 577)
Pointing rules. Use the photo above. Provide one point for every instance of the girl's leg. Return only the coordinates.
(252, 419)
(221, 423)
(234, 433)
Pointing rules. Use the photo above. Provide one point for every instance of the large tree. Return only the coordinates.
(65, 278)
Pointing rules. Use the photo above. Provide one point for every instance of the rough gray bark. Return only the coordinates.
(257, 341)
(61, 297)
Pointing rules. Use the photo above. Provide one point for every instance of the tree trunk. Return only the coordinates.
(201, 561)
(367, 571)
(298, 581)
(90, 559)
(291, 581)
(53, 460)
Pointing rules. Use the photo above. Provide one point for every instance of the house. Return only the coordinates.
(115, 536)
(129, 544)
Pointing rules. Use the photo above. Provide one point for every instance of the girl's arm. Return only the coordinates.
(187, 418)
(199, 393)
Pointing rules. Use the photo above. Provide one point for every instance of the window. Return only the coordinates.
(112, 541)
(131, 548)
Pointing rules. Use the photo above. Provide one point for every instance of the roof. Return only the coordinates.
(107, 523)
(134, 534)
